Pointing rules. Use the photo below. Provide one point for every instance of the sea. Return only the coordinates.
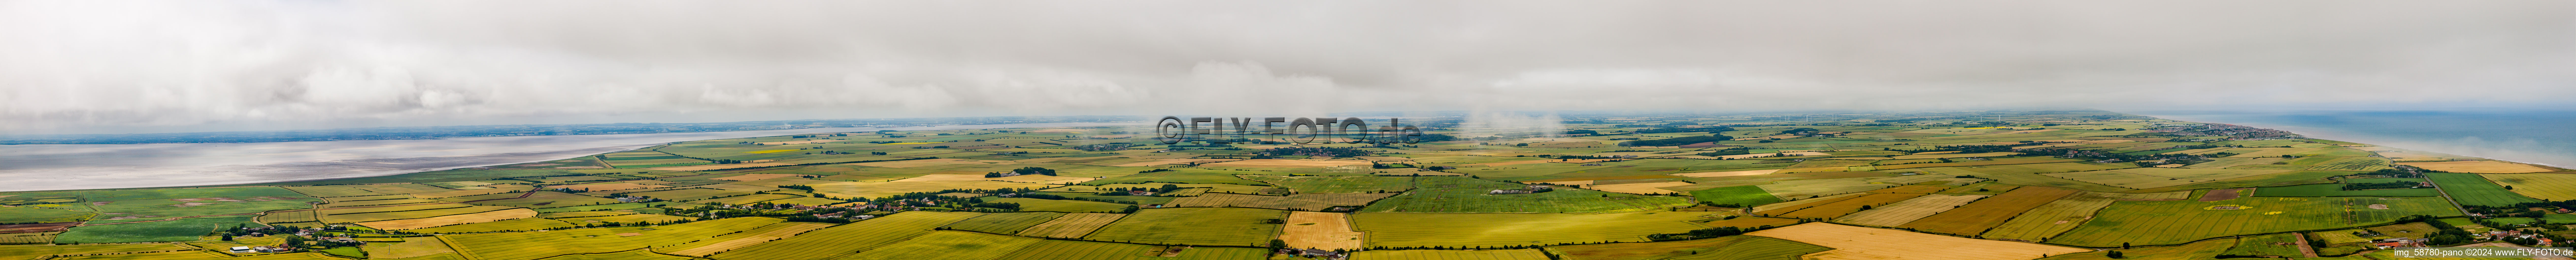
(2545, 137)
(105, 166)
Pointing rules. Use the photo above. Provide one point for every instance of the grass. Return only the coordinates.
(2175, 222)
(1506, 229)
(1304, 202)
(1004, 223)
(197, 202)
(1721, 248)
(1071, 225)
(1065, 206)
(1736, 196)
(1337, 184)
(2472, 190)
(535, 245)
(2271, 245)
(1179, 176)
(1462, 194)
(1194, 226)
(2559, 218)
(835, 242)
(949, 245)
(40, 215)
(2336, 190)
(158, 231)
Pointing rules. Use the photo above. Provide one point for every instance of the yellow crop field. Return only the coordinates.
(1850, 242)
(497, 215)
(1909, 210)
(2053, 218)
(837, 241)
(883, 189)
(1320, 230)
(949, 245)
(1194, 226)
(1071, 225)
(1977, 216)
(534, 245)
(414, 247)
(2476, 167)
(746, 238)
(1503, 229)
(1512, 254)
(2547, 186)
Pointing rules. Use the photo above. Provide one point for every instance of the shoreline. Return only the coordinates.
(2313, 133)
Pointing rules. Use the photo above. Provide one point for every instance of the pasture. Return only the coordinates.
(153, 204)
(1462, 194)
(15, 215)
(1735, 196)
(949, 245)
(2336, 190)
(1306, 202)
(1004, 223)
(186, 229)
(2267, 245)
(2473, 190)
(1503, 229)
(1066, 206)
(2175, 222)
(1336, 184)
(1850, 242)
(1071, 225)
(1194, 226)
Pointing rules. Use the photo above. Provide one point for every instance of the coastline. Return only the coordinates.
(42, 167)
(2316, 133)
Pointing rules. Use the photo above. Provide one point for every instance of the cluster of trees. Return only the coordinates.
(1123, 191)
(1677, 140)
(2445, 234)
(1711, 130)
(2374, 186)
(1703, 233)
(1318, 151)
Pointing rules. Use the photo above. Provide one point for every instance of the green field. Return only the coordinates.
(1337, 184)
(1194, 226)
(2175, 222)
(2473, 190)
(949, 245)
(2271, 245)
(2336, 190)
(177, 230)
(1740, 196)
(1066, 206)
(135, 205)
(1461, 194)
(1502, 229)
(1004, 223)
(15, 215)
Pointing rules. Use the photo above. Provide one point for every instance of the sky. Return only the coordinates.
(185, 66)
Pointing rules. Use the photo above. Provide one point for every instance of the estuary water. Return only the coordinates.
(103, 166)
(2536, 137)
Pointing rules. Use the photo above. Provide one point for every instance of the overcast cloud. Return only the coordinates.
(115, 66)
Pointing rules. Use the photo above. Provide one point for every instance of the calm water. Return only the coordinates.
(2538, 137)
(100, 166)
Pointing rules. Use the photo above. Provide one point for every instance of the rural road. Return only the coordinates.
(2304, 250)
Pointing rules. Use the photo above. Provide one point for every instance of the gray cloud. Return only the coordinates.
(92, 65)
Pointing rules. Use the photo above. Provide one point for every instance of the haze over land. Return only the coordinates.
(186, 66)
